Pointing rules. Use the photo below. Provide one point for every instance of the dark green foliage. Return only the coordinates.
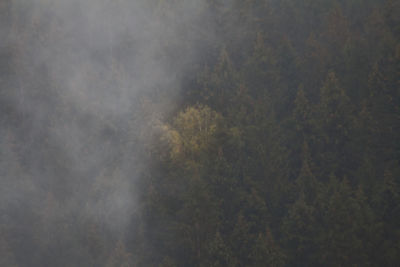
(282, 151)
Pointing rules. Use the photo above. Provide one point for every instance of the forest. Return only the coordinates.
(199, 133)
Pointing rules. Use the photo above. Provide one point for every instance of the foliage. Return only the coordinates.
(283, 149)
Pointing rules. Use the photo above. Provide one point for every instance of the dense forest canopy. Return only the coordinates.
(200, 133)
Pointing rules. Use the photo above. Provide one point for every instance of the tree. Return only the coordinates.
(119, 257)
(306, 181)
(266, 252)
(299, 230)
(219, 254)
(335, 129)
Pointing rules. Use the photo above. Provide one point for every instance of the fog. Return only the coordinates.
(81, 73)
(199, 133)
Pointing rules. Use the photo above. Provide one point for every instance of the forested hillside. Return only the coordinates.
(200, 133)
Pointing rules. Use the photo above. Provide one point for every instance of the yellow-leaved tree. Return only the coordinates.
(192, 132)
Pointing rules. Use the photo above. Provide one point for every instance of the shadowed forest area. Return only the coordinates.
(199, 133)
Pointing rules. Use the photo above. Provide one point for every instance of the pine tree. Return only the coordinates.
(299, 230)
(266, 252)
(119, 257)
(306, 181)
(219, 254)
(335, 129)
